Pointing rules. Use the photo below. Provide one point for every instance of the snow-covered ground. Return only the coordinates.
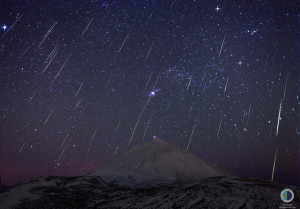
(157, 162)
(93, 192)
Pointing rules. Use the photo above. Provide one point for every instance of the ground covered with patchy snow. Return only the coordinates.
(94, 192)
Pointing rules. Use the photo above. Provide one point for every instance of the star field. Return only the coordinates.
(84, 81)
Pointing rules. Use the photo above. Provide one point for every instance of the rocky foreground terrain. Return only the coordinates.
(93, 192)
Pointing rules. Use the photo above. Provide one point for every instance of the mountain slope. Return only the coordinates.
(157, 162)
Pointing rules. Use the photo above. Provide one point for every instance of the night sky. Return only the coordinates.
(82, 82)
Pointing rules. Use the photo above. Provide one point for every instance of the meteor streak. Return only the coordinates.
(149, 18)
(147, 102)
(191, 135)
(147, 126)
(62, 67)
(62, 152)
(23, 53)
(22, 148)
(190, 110)
(79, 88)
(49, 116)
(249, 111)
(107, 83)
(190, 82)
(64, 141)
(222, 46)
(278, 120)
(226, 85)
(148, 81)
(204, 86)
(51, 54)
(31, 97)
(168, 105)
(47, 34)
(156, 82)
(138, 120)
(124, 42)
(78, 103)
(285, 88)
(86, 27)
(43, 168)
(149, 51)
(69, 142)
(220, 125)
(274, 165)
(94, 135)
(49, 62)
(115, 152)
(118, 126)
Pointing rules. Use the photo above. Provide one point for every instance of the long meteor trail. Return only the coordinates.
(47, 34)
(274, 165)
(220, 125)
(285, 88)
(116, 150)
(191, 135)
(147, 102)
(95, 132)
(51, 54)
(226, 85)
(149, 51)
(124, 42)
(22, 148)
(204, 86)
(23, 53)
(278, 120)
(118, 126)
(168, 105)
(79, 88)
(147, 126)
(56, 52)
(138, 120)
(148, 80)
(222, 46)
(49, 116)
(190, 110)
(62, 67)
(190, 82)
(86, 27)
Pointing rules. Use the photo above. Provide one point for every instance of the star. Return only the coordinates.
(217, 8)
(152, 94)
(4, 27)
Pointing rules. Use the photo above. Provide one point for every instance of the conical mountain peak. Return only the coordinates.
(157, 161)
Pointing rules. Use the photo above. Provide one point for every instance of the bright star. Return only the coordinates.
(217, 8)
(152, 94)
(4, 27)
